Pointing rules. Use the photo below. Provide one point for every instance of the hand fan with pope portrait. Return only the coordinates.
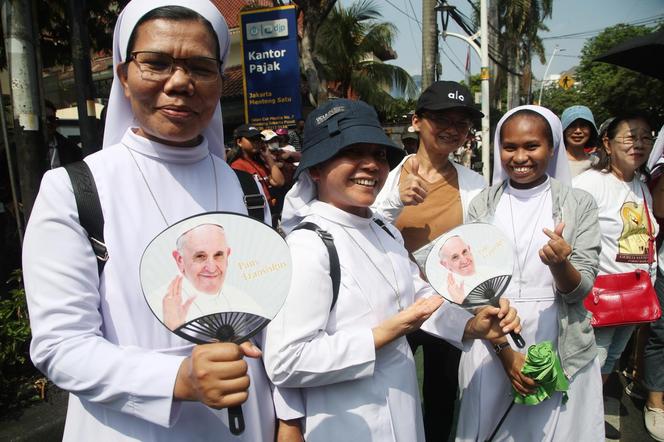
(216, 277)
(471, 265)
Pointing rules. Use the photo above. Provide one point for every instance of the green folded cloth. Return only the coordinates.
(543, 365)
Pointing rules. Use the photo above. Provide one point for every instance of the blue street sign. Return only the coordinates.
(271, 67)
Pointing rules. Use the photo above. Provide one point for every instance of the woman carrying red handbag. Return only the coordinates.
(626, 220)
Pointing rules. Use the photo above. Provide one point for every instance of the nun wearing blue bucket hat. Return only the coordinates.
(347, 353)
(580, 134)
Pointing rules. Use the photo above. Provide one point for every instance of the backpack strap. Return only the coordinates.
(253, 198)
(382, 225)
(335, 267)
(89, 209)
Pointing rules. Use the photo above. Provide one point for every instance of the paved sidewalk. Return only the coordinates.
(42, 422)
(623, 412)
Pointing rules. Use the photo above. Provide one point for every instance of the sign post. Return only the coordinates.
(271, 68)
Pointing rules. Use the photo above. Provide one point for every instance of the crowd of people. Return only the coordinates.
(336, 363)
(270, 157)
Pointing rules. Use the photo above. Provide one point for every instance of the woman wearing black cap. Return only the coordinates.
(425, 196)
(350, 358)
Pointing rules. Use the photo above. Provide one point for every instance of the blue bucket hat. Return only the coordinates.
(341, 123)
(573, 113)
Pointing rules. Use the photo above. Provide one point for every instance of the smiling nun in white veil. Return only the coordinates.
(556, 257)
(129, 377)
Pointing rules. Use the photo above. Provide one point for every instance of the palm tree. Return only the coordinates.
(313, 14)
(347, 47)
(520, 21)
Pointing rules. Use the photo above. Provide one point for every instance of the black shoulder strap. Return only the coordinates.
(89, 209)
(382, 225)
(335, 267)
(253, 198)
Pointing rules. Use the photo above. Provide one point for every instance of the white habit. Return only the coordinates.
(99, 339)
(351, 392)
(486, 390)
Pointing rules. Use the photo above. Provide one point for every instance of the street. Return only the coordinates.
(623, 412)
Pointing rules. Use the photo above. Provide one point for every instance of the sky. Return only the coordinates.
(569, 16)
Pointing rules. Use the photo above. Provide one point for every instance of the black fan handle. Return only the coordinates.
(518, 340)
(236, 420)
(225, 333)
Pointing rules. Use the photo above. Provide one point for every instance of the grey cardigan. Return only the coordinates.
(578, 210)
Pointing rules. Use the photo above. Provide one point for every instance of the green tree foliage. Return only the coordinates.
(55, 34)
(558, 99)
(17, 374)
(313, 14)
(475, 85)
(398, 111)
(347, 44)
(520, 22)
(608, 89)
(54, 29)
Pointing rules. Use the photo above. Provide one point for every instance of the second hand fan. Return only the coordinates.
(471, 265)
(216, 277)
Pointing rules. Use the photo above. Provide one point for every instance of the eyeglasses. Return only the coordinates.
(629, 140)
(445, 123)
(157, 66)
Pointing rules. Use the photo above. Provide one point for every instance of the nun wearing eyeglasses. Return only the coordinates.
(162, 160)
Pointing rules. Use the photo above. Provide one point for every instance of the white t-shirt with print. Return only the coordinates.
(622, 220)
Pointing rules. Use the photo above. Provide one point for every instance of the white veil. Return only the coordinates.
(119, 116)
(296, 204)
(657, 150)
(558, 165)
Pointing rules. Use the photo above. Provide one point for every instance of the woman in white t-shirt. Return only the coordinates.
(626, 220)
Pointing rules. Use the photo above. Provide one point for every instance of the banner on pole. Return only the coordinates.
(271, 67)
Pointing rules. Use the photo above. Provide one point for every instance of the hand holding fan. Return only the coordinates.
(216, 277)
(471, 265)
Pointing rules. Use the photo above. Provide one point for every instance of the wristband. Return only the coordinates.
(499, 347)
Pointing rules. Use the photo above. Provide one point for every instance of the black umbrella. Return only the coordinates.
(642, 54)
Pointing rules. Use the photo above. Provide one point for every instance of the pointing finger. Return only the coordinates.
(559, 229)
(553, 235)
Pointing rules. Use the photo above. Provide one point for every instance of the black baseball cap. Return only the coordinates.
(341, 123)
(444, 95)
(406, 135)
(247, 131)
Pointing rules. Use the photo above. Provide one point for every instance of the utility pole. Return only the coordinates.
(80, 56)
(494, 43)
(483, 52)
(429, 42)
(485, 76)
(20, 44)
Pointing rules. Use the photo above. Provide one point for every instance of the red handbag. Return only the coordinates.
(625, 298)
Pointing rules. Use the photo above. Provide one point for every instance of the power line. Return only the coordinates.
(453, 53)
(477, 11)
(454, 64)
(494, 53)
(590, 33)
(412, 37)
(413, 9)
(446, 53)
(403, 12)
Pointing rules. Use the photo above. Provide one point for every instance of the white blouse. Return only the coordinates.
(350, 390)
